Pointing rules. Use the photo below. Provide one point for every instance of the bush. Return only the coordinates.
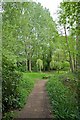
(8, 116)
(63, 100)
(15, 88)
(65, 66)
(20, 65)
(10, 84)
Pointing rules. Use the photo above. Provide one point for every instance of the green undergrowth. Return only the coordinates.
(62, 91)
(23, 89)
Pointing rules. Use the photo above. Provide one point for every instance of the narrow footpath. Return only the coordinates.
(37, 105)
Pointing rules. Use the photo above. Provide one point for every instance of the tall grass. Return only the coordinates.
(62, 97)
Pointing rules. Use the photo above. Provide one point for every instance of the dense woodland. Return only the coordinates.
(31, 42)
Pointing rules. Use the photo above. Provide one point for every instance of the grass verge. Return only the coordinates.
(63, 97)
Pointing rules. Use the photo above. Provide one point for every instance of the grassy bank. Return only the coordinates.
(62, 90)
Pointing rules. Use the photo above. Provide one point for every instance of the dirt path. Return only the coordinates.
(38, 104)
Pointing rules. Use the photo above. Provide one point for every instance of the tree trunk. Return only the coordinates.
(58, 61)
(77, 56)
(70, 57)
(26, 65)
(73, 64)
(30, 65)
(26, 59)
(40, 68)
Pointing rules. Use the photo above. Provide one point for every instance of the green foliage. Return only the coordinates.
(15, 88)
(52, 64)
(59, 60)
(39, 64)
(67, 11)
(8, 116)
(25, 87)
(30, 35)
(65, 65)
(20, 66)
(63, 99)
(56, 65)
(70, 17)
(10, 83)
